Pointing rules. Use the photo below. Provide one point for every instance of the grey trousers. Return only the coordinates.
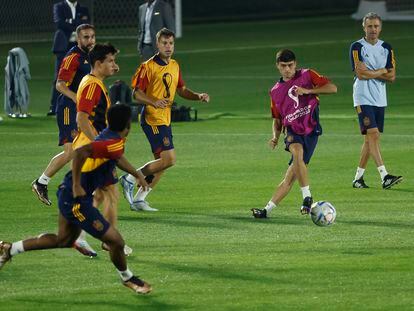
(147, 52)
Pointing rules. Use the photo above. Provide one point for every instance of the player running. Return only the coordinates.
(93, 167)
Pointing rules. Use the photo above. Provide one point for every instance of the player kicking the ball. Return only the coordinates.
(93, 167)
(295, 109)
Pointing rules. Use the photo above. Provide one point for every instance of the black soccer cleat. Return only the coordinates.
(359, 183)
(259, 213)
(41, 192)
(306, 206)
(391, 180)
(137, 285)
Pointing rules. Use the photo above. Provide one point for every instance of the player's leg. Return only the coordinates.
(161, 141)
(359, 181)
(113, 239)
(67, 234)
(280, 193)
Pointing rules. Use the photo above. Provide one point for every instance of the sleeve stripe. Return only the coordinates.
(355, 55)
(116, 145)
(393, 59)
(91, 91)
(68, 61)
(116, 149)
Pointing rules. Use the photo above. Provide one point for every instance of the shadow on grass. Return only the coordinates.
(147, 302)
(228, 222)
(377, 224)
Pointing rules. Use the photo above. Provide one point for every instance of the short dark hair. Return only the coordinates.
(119, 117)
(165, 32)
(100, 51)
(285, 56)
(84, 27)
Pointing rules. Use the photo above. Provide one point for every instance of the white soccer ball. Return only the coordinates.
(323, 213)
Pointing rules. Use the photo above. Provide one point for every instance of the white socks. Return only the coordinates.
(125, 275)
(17, 248)
(383, 172)
(141, 194)
(305, 191)
(82, 236)
(269, 206)
(44, 180)
(359, 173)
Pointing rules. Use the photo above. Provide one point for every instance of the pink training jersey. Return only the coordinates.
(296, 111)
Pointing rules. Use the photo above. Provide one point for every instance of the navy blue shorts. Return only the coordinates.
(80, 212)
(160, 137)
(370, 117)
(308, 143)
(66, 120)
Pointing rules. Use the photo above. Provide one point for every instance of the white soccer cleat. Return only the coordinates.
(4, 253)
(142, 206)
(127, 189)
(84, 248)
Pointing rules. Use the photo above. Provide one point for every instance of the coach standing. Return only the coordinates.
(67, 15)
(373, 63)
(153, 16)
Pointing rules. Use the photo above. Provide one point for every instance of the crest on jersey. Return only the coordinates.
(366, 121)
(166, 141)
(98, 225)
(73, 133)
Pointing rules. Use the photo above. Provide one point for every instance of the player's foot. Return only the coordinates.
(306, 206)
(84, 248)
(127, 189)
(41, 192)
(391, 180)
(142, 206)
(137, 285)
(51, 113)
(259, 213)
(127, 250)
(4, 253)
(359, 183)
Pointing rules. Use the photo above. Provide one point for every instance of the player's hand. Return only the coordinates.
(273, 142)
(302, 91)
(78, 191)
(204, 97)
(140, 179)
(161, 103)
(361, 66)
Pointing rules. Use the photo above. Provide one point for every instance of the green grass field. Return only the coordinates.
(203, 250)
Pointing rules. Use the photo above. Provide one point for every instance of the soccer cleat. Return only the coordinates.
(142, 206)
(259, 213)
(391, 180)
(127, 189)
(306, 206)
(41, 192)
(137, 285)
(84, 248)
(359, 183)
(5, 256)
(127, 250)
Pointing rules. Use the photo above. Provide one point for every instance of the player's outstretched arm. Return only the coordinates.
(124, 165)
(191, 95)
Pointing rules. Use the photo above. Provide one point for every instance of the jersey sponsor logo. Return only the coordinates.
(294, 95)
(366, 121)
(166, 141)
(298, 113)
(98, 225)
(167, 81)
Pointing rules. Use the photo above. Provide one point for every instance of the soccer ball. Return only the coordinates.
(323, 213)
